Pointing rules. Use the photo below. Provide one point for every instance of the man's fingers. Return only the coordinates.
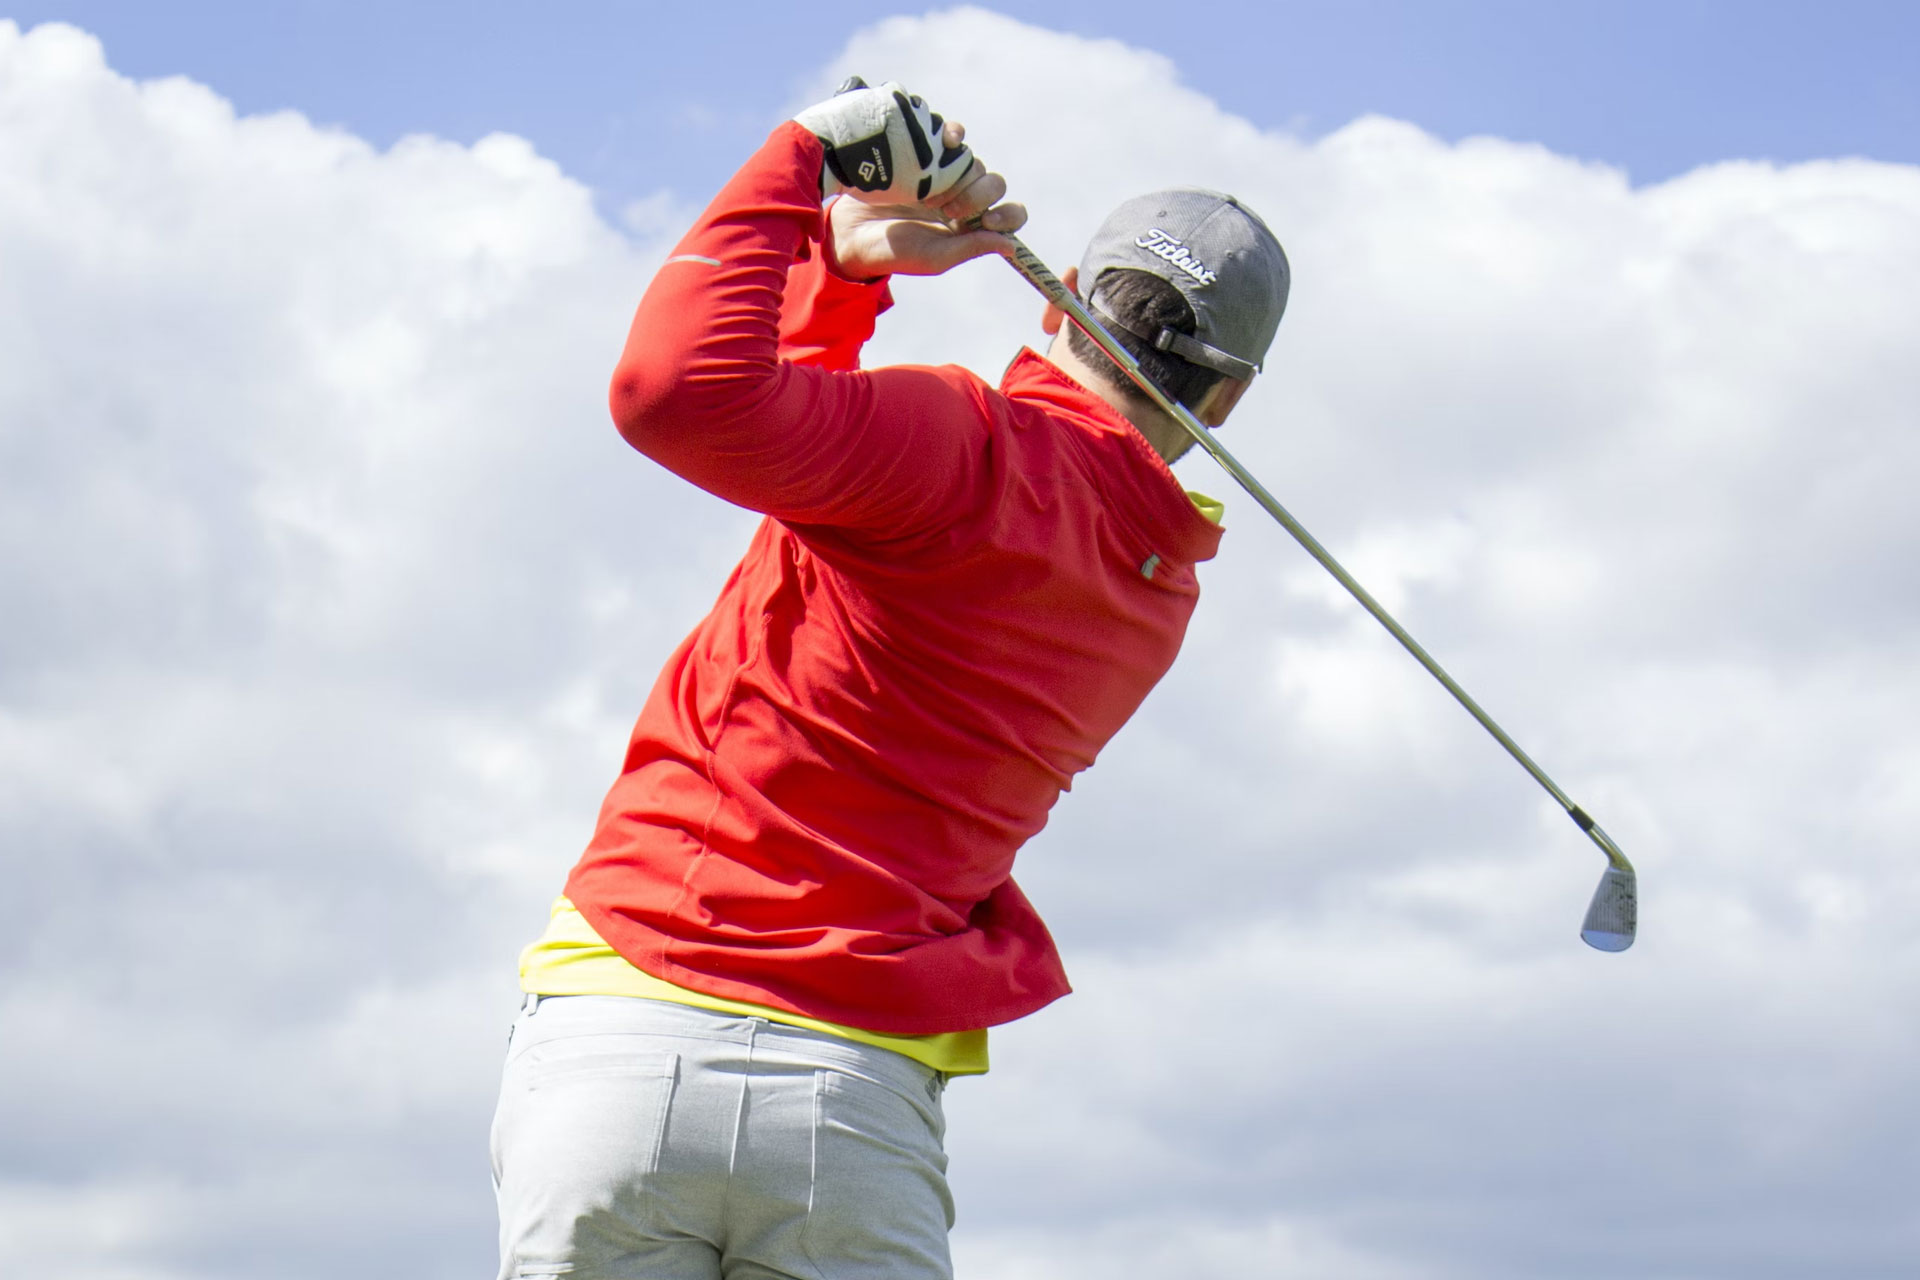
(927, 239)
(1005, 218)
(965, 246)
(973, 194)
(984, 234)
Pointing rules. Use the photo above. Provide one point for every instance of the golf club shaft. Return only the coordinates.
(1057, 293)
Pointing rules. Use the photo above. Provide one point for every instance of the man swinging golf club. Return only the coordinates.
(795, 920)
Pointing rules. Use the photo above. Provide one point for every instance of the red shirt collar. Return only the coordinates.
(1143, 483)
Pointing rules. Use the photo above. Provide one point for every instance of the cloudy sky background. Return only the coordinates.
(330, 595)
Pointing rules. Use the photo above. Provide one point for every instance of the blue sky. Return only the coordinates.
(330, 595)
(637, 97)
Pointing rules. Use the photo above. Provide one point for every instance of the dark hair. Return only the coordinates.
(1149, 304)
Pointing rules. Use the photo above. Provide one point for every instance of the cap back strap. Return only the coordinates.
(1183, 345)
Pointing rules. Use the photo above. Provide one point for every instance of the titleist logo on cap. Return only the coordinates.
(1162, 245)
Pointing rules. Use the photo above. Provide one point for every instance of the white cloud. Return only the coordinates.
(330, 593)
(1163, 1244)
(98, 1233)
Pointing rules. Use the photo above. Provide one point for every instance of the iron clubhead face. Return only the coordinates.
(1614, 915)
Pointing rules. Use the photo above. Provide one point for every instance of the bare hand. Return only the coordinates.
(870, 240)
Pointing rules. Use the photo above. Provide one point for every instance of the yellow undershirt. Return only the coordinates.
(570, 959)
(1212, 508)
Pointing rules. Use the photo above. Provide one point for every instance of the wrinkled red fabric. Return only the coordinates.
(959, 594)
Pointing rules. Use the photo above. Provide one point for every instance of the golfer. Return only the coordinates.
(795, 920)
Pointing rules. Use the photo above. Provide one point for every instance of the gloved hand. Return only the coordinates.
(883, 145)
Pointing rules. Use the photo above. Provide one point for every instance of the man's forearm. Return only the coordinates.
(703, 352)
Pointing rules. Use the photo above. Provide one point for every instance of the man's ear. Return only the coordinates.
(1053, 317)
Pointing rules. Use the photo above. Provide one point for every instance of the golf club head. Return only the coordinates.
(1614, 915)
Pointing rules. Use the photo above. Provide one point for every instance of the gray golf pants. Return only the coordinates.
(642, 1140)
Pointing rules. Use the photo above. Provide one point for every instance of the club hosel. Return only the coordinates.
(1608, 847)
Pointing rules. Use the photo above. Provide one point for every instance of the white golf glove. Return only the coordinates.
(883, 145)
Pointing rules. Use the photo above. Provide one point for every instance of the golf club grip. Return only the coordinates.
(1050, 286)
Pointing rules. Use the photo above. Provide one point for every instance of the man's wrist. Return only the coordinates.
(831, 259)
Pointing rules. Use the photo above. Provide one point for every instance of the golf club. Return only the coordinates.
(1613, 916)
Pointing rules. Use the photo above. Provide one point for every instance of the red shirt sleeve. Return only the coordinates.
(702, 387)
(825, 318)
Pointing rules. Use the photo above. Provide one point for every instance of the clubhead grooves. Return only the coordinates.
(1613, 918)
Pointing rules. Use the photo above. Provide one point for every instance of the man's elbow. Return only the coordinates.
(654, 407)
(642, 403)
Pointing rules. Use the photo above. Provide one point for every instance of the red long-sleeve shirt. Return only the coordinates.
(958, 596)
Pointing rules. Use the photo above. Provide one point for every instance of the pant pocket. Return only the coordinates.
(577, 1136)
(880, 1206)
